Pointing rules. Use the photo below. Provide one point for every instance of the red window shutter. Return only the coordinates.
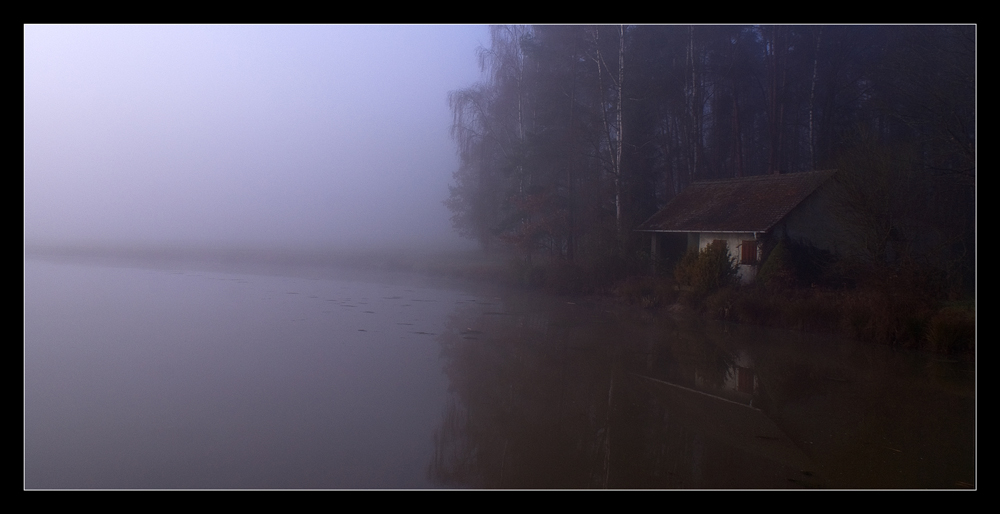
(749, 252)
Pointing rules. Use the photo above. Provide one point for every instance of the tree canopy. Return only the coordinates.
(576, 134)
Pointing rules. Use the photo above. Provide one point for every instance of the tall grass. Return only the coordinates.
(952, 330)
(866, 314)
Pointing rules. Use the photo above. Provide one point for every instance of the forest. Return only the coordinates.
(577, 134)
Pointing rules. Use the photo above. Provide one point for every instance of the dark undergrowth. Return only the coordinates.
(907, 306)
(899, 315)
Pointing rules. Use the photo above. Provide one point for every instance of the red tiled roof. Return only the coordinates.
(750, 204)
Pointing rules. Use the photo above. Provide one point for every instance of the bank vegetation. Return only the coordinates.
(577, 134)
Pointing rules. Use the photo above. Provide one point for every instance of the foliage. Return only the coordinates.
(708, 270)
(576, 134)
(878, 198)
(796, 263)
(895, 213)
(865, 314)
(776, 271)
(930, 87)
(952, 330)
(647, 291)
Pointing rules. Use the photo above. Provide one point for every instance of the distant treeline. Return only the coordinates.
(577, 134)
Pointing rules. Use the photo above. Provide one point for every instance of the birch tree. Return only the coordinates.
(489, 126)
(611, 96)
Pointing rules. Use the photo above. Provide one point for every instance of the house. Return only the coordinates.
(745, 212)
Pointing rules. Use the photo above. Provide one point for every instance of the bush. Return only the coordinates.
(720, 304)
(794, 263)
(952, 330)
(776, 271)
(872, 315)
(757, 308)
(707, 270)
(816, 312)
(647, 291)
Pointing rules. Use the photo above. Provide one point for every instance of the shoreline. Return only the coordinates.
(881, 317)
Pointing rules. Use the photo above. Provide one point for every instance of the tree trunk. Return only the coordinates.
(812, 101)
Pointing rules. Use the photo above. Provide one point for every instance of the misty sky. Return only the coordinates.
(323, 135)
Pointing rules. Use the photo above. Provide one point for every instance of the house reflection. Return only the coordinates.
(739, 383)
(570, 399)
(556, 394)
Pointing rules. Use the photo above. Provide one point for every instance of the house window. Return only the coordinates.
(748, 255)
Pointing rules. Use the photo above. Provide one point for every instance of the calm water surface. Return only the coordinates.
(159, 378)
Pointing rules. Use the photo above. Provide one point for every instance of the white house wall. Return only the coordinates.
(746, 272)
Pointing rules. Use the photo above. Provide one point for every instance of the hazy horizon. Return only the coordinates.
(307, 136)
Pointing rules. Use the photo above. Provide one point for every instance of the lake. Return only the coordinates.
(162, 377)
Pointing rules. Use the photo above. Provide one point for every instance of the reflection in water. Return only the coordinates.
(526, 409)
(548, 394)
(144, 378)
(138, 378)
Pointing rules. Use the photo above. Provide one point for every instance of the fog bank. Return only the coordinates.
(306, 136)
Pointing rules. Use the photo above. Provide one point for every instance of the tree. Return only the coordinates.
(578, 133)
(929, 77)
(708, 270)
(878, 198)
(611, 98)
(490, 125)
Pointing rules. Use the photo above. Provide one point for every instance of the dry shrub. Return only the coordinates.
(647, 291)
(721, 303)
(808, 311)
(708, 270)
(758, 308)
(875, 316)
(817, 312)
(952, 330)
(777, 271)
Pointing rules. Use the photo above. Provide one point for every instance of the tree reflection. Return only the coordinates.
(560, 397)
(528, 406)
